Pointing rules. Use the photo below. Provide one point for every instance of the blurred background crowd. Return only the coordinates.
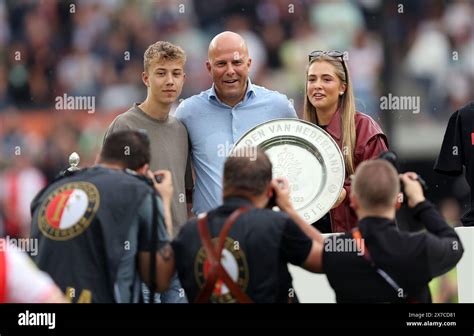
(94, 48)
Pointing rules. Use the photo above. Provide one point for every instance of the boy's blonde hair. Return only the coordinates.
(163, 51)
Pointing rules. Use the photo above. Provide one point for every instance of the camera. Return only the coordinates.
(272, 201)
(145, 178)
(392, 157)
(158, 178)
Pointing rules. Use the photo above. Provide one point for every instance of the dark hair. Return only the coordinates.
(128, 148)
(247, 172)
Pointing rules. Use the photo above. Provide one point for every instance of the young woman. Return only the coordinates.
(330, 104)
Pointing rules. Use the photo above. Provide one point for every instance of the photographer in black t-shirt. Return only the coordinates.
(380, 263)
(102, 229)
(258, 245)
(457, 151)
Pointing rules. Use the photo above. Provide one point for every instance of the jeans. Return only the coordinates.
(174, 294)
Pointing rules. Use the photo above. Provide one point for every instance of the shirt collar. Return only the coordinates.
(140, 111)
(237, 202)
(371, 224)
(250, 91)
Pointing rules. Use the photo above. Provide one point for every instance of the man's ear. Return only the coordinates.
(145, 79)
(398, 201)
(354, 202)
(208, 66)
(267, 195)
(143, 169)
(270, 192)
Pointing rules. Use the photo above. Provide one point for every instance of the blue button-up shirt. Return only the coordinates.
(214, 127)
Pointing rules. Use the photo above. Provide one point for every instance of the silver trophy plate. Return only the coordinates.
(307, 157)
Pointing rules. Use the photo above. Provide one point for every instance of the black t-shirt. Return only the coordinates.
(400, 254)
(83, 224)
(256, 253)
(457, 151)
(323, 224)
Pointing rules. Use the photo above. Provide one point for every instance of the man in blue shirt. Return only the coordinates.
(218, 117)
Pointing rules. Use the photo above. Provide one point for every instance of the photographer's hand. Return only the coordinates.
(282, 190)
(165, 188)
(413, 188)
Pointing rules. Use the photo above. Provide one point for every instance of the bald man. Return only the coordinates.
(218, 117)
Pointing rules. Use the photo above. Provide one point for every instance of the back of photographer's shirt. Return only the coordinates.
(410, 259)
(256, 253)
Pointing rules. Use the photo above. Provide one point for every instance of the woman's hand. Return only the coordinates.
(341, 198)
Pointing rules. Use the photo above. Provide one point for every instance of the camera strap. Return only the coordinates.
(154, 247)
(213, 254)
(357, 236)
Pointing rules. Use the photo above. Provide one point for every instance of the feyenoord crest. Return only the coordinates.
(68, 210)
(304, 154)
(234, 262)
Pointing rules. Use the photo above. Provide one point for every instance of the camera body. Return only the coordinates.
(158, 178)
(272, 201)
(393, 159)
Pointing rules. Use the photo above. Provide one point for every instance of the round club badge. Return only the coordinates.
(234, 262)
(68, 210)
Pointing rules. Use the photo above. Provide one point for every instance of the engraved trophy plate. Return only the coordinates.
(305, 155)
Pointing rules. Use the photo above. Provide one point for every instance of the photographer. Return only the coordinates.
(383, 263)
(99, 228)
(250, 262)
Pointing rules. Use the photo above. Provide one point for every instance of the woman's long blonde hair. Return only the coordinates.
(346, 104)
